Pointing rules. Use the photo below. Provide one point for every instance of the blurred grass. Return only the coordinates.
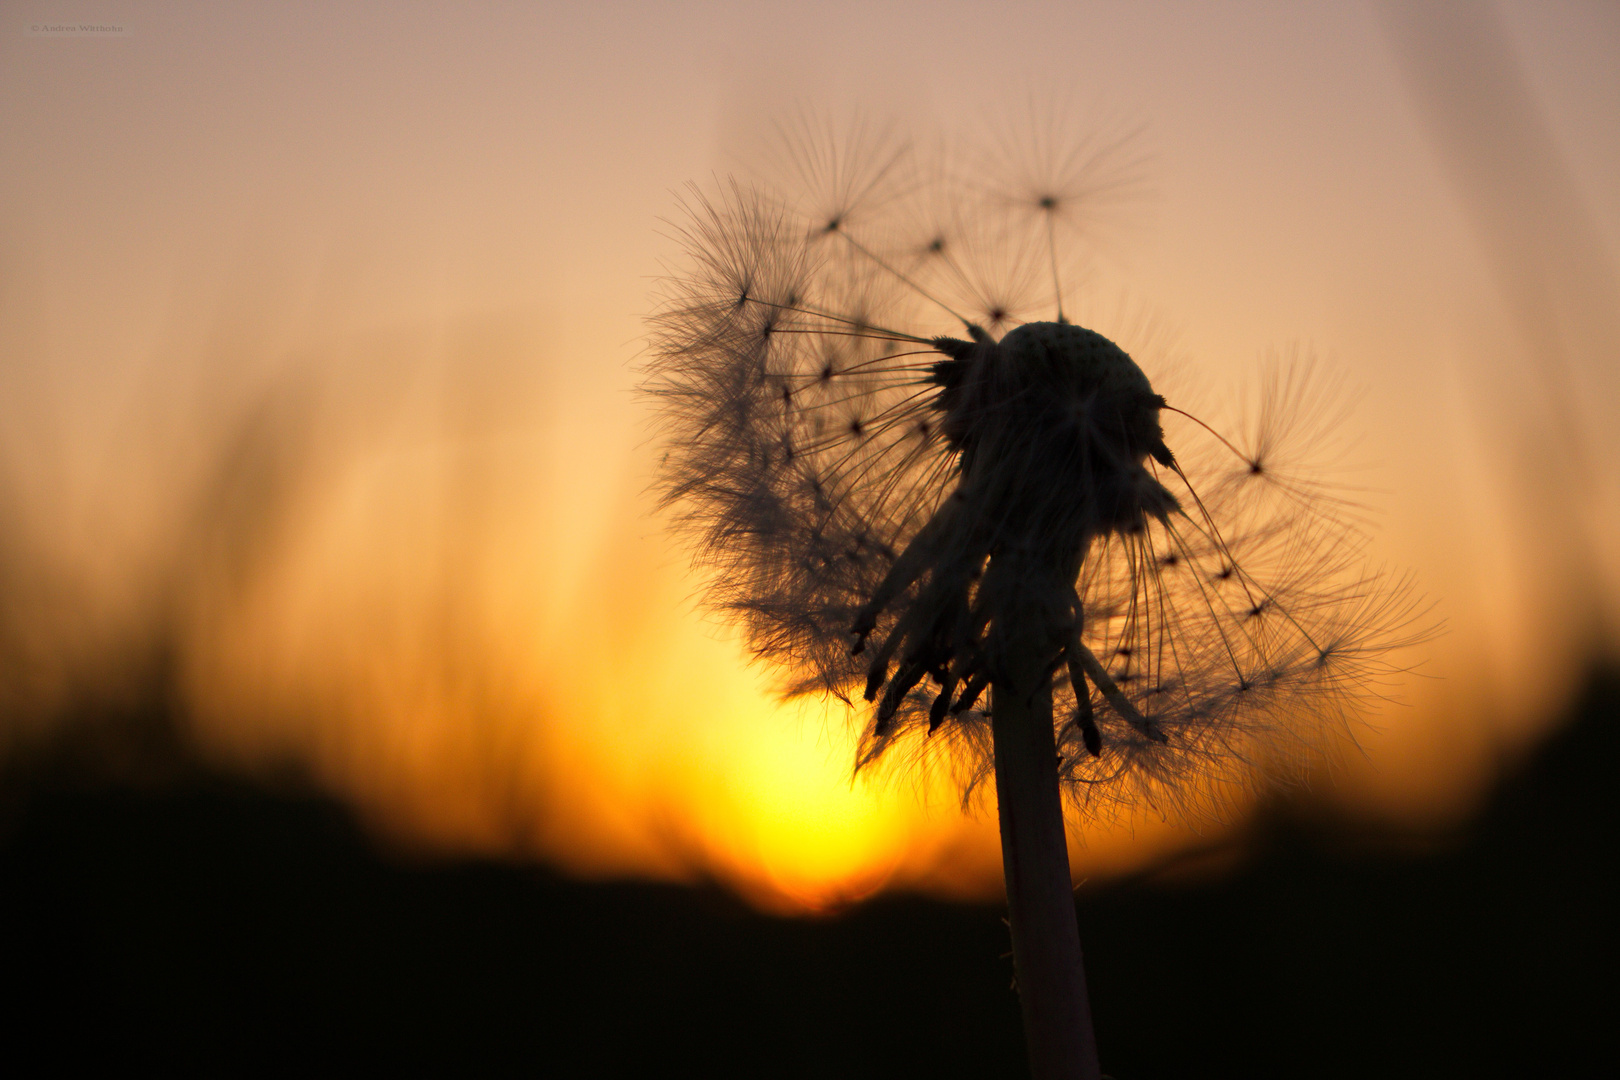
(157, 910)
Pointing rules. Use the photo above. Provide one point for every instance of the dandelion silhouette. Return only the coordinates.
(973, 529)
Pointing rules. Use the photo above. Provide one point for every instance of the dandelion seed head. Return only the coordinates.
(897, 487)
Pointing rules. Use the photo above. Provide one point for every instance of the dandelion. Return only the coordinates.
(925, 492)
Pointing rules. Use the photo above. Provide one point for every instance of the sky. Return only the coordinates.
(320, 326)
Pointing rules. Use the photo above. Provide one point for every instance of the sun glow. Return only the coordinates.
(317, 426)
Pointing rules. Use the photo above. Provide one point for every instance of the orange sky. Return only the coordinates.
(319, 325)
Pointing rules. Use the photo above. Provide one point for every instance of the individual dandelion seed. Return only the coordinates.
(973, 528)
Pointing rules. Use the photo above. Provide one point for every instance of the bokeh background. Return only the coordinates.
(324, 496)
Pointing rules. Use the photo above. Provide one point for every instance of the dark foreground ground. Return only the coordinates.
(205, 925)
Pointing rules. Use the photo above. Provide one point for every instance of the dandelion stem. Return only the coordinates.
(1040, 899)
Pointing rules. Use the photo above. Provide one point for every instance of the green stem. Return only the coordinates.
(1040, 897)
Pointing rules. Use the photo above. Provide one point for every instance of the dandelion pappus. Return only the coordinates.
(891, 475)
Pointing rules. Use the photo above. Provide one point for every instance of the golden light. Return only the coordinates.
(317, 388)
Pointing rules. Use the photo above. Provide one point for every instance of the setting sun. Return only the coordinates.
(319, 398)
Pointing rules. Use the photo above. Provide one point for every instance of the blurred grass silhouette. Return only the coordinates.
(207, 922)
